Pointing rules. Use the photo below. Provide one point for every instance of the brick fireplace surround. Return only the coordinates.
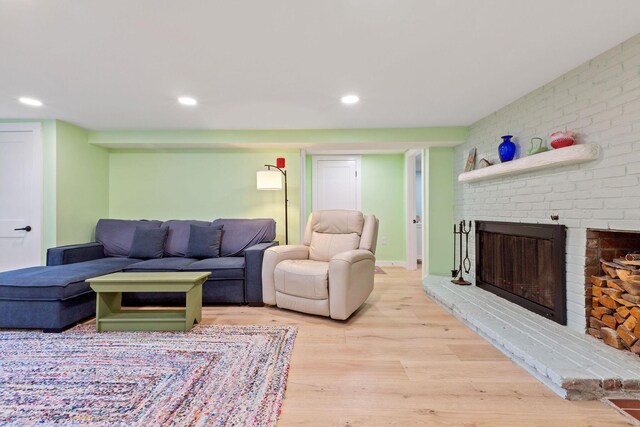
(600, 100)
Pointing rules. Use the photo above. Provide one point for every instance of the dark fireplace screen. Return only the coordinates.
(525, 264)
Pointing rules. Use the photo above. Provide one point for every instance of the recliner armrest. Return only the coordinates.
(354, 256)
(351, 276)
(272, 257)
(253, 257)
(71, 254)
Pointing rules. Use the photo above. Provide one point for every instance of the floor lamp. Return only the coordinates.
(271, 180)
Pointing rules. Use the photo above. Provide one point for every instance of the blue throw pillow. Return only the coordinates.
(148, 243)
(204, 242)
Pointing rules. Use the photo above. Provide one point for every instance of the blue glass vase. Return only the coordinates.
(507, 149)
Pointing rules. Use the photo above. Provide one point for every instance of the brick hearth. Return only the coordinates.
(574, 365)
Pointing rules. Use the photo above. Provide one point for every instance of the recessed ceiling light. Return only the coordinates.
(186, 100)
(350, 99)
(30, 101)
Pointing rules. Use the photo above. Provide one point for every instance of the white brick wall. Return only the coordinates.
(601, 101)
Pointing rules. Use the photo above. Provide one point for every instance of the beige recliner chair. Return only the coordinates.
(332, 273)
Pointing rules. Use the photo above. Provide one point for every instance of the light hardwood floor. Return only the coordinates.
(402, 360)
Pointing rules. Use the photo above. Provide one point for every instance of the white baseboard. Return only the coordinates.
(391, 263)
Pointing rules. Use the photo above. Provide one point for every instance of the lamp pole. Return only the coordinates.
(286, 203)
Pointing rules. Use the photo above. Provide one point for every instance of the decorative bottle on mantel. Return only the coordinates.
(507, 149)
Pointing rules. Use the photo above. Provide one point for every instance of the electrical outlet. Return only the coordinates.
(383, 240)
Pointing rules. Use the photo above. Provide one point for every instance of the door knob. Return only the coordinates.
(415, 221)
(27, 228)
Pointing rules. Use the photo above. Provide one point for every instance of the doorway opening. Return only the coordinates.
(414, 184)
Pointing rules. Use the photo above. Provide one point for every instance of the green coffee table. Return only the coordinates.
(111, 317)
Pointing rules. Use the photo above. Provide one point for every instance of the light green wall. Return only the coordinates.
(383, 195)
(82, 185)
(438, 215)
(201, 184)
(124, 138)
(138, 184)
(75, 183)
(83, 182)
(49, 186)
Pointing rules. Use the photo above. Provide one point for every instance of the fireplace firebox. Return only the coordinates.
(525, 264)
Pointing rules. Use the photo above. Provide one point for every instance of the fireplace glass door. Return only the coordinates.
(523, 263)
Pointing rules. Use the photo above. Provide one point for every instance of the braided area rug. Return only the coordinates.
(211, 376)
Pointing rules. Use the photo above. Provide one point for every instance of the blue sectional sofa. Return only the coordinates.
(56, 296)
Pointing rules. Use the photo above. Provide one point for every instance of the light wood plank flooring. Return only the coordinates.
(401, 360)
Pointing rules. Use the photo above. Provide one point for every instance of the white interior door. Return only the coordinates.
(336, 182)
(20, 195)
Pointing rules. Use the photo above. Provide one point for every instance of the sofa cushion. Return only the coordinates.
(337, 221)
(57, 282)
(178, 238)
(148, 243)
(302, 278)
(161, 264)
(204, 242)
(117, 234)
(239, 234)
(220, 268)
(325, 246)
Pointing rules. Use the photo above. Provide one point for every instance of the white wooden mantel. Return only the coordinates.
(562, 156)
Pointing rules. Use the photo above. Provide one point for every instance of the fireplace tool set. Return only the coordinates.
(464, 263)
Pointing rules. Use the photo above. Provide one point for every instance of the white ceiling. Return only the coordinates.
(256, 64)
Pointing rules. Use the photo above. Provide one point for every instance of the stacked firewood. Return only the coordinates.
(615, 312)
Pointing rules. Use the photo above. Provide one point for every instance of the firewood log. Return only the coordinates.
(631, 298)
(622, 301)
(595, 323)
(612, 292)
(608, 302)
(629, 287)
(602, 311)
(609, 321)
(610, 337)
(615, 284)
(610, 271)
(628, 339)
(595, 333)
(630, 323)
(624, 311)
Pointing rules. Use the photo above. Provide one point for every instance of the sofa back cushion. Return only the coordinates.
(178, 238)
(325, 246)
(204, 242)
(331, 232)
(148, 243)
(116, 235)
(239, 234)
(337, 221)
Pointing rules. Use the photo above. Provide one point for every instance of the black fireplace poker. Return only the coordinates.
(464, 263)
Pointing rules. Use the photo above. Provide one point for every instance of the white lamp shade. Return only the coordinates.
(269, 180)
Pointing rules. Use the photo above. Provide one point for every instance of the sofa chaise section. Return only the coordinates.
(52, 298)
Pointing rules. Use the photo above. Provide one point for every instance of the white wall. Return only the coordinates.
(601, 101)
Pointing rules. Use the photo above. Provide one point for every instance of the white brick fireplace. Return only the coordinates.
(601, 101)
